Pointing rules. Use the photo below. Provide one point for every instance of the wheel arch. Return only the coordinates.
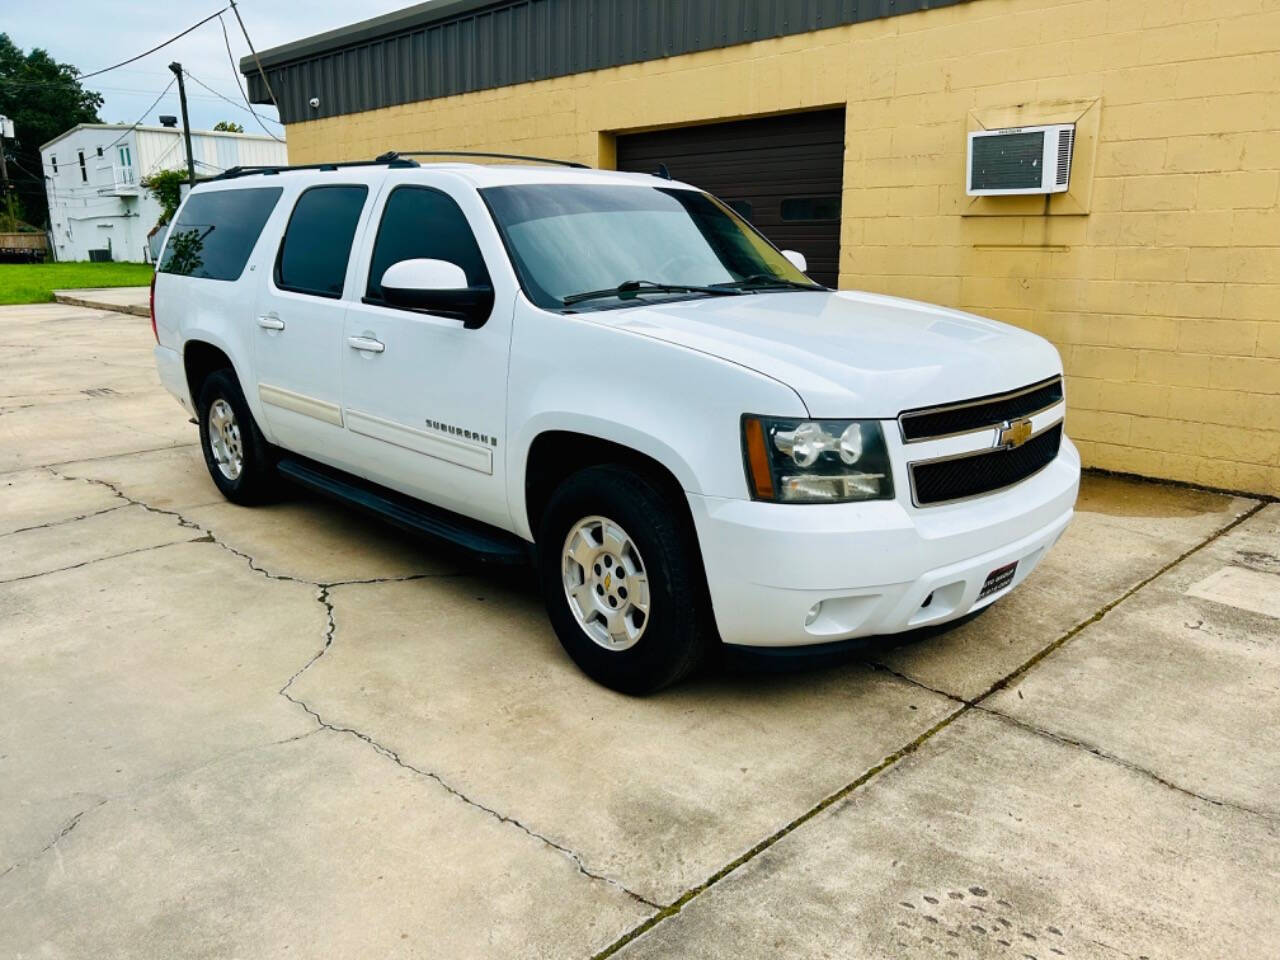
(201, 358)
(555, 454)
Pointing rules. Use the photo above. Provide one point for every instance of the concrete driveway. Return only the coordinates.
(288, 731)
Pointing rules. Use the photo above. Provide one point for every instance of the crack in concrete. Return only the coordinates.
(58, 523)
(329, 634)
(1102, 754)
(207, 536)
(876, 665)
(85, 563)
(66, 829)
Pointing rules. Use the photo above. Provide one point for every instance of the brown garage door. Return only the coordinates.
(782, 173)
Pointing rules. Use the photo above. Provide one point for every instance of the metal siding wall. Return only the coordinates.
(517, 41)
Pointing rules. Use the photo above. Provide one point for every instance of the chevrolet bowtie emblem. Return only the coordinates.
(1013, 433)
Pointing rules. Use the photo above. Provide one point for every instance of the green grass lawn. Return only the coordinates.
(35, 282)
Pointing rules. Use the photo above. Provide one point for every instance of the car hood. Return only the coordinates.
(850, 354)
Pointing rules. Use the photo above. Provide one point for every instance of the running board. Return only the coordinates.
(488, 544)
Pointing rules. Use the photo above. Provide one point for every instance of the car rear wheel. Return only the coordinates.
(623, 581)
(235, 451)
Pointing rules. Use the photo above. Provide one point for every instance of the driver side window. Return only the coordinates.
(421, 222)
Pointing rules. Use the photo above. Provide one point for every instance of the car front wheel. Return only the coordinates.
(623, 581)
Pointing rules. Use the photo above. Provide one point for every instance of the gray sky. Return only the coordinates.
(92, 34)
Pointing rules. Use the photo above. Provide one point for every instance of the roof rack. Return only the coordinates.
(269, 170)
(392, 156)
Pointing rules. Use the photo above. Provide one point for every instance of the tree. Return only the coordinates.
(43, 98)
(228, 126)
(166, 187)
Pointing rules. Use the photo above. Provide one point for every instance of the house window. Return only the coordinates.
(53, 162)
(99, 151)
(84, 171)
(126, 158)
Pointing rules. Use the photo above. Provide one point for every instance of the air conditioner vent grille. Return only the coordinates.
(1065, 138)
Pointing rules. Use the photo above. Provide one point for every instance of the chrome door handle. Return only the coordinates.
(269, 321)
(366, 344)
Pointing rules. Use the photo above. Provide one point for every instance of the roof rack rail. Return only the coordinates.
(393, 155)
(270, 170)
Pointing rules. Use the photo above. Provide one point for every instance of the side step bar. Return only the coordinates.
(486, 543)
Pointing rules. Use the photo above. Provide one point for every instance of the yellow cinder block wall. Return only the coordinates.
(1164, 298)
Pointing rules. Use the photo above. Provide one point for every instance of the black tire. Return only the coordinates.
(256, 482)
(679, 628)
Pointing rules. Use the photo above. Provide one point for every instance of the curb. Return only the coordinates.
(132, 309)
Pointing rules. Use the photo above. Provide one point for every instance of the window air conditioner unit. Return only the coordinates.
(1020, 160)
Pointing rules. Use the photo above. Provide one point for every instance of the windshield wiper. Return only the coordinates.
(761, 281)
(646, 286)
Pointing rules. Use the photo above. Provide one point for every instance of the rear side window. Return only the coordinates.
(419, 222)
(215, 233)
(317, 243)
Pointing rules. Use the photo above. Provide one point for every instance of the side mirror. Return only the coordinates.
(797, 260)
(437, 286)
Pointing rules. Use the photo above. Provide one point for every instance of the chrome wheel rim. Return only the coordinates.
(606, 583)
(224, 439)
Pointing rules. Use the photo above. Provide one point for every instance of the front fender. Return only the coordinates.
(678, 406)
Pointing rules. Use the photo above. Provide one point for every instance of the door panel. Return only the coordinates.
(424, 398)
(784, 174)
(300, 321)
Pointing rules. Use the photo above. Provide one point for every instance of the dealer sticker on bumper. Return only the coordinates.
(998, 579)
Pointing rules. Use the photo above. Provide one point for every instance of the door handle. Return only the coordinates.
(365, 344)
(269, 321)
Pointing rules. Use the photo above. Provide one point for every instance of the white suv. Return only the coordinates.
(617, 375)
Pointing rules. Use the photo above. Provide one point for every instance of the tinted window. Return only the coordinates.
(215, 233)
(419, 222)
(317, 243)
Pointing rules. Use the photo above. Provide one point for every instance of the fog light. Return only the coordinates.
(814, 612)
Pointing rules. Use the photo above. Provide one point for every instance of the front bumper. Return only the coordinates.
(872, 565)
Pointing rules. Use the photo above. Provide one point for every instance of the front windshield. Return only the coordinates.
(614, 243)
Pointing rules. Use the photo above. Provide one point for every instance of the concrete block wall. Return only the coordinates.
(1161, 287)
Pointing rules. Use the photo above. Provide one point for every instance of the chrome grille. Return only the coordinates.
(930, 423)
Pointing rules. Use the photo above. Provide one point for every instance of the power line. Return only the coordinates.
(133, 126)
(124, 90)
(159, 46)
(238, 106)
(262, 73)
(235, 72)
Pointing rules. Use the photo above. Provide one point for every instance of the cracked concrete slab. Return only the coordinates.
(33, 498)
(1124, 532)
(1174, 683)
(127, 669)
(464, 678)
(318, 847)
(312, 539)
(74, 543)
(169, 479)
(992, 841)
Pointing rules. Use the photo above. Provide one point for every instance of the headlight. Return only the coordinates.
(816, 461)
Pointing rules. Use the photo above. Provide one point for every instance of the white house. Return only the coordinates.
(98, 208)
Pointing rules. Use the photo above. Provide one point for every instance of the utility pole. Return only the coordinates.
(186, 126)
(6, 130)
